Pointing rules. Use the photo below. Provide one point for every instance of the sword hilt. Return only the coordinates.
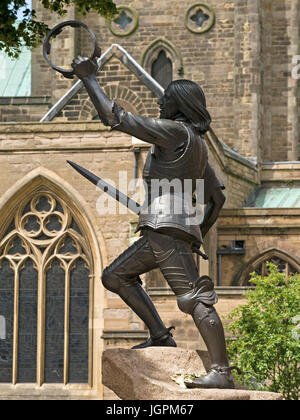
(197, 251)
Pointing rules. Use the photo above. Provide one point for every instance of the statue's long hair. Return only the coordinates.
(192, 103)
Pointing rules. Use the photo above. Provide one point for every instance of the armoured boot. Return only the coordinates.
(164, 339)
(217, 377)
(212, 332)
(140, 302)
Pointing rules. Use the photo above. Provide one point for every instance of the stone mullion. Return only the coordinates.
(67, 321)
(287, 269)
(91, 317)
(16, 324)
(41, 324)
(263, 269)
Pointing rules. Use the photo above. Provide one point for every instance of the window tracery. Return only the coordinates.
(199, 18)
(125, 23)
(45, 267)
(285, 263)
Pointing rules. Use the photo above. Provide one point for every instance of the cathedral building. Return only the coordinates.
(58, 231)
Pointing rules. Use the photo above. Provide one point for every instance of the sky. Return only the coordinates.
(20, 13)
(15, 75)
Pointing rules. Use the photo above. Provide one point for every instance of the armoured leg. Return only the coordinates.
(199, 303)
(211, 329)
(122, 277)
(195, 296)
(133, 294)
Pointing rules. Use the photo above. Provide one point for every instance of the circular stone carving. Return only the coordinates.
(125, 23)
(199, 18)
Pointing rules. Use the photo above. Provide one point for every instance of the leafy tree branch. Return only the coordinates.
(29, 31)
(265, 347)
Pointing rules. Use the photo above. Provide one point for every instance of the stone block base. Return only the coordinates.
(145, 374)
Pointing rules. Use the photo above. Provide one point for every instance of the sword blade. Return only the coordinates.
(107, 188)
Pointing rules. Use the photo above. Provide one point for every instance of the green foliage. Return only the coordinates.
(267, 344)
(29, 31)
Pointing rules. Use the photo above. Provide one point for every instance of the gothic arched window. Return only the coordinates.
(161, 69)
(285, 263)
(45, 267)
(162, 59)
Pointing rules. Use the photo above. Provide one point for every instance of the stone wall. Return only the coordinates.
(262, 230)
(280, 43)
(46, 82)
(23, 109)
(243, 63)
(119, 83)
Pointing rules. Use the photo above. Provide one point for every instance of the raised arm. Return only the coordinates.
(167, 134)
(86, 70)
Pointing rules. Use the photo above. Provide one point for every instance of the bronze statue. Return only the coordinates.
(168, 239)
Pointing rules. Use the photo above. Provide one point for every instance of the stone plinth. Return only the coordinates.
(145, 374)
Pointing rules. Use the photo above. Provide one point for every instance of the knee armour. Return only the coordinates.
(202, 292)
(113, 282)
(110, 281)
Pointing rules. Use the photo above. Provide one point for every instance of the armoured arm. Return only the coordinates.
(167, 134)
(86, 70)
(212, 210)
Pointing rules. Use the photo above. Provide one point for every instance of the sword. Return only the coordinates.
(118, 195)
(109, 189)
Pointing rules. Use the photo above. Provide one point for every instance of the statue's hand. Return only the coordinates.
(84, 67)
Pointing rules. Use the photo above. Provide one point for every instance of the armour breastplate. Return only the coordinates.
(169, 187)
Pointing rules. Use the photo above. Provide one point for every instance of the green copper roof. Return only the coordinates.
(274, 197)
(15, 75)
